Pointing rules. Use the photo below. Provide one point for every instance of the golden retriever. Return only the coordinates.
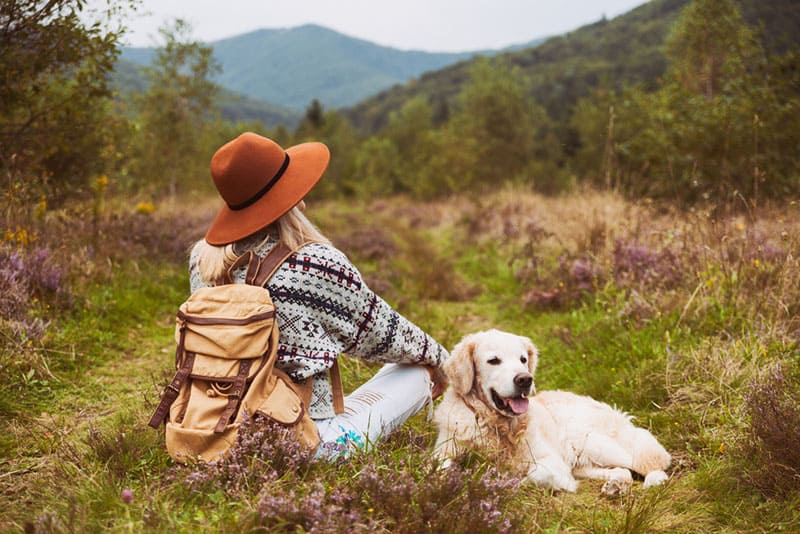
(551, 438)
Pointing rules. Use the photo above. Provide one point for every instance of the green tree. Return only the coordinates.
(178, 113)
(506, 128)
(409, 132)
(56, 119)
(377, 167)
(719, 126)
(335, 131)
(710, 47)
(714, 92)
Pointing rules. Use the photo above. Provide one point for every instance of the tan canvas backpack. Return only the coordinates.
(227, 341)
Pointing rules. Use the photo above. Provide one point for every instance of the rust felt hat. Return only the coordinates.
(260, 181)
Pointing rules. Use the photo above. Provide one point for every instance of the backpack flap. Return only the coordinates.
(283, 405)
(233, 321)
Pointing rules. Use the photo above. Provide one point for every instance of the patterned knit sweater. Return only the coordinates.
(324, 309)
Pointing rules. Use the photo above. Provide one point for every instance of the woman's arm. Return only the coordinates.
(380, 333)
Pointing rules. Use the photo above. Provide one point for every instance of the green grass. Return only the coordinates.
(74, 432)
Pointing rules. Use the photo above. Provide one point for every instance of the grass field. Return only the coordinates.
(689, 320)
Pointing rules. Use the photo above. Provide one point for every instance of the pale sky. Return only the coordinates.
(431, 25)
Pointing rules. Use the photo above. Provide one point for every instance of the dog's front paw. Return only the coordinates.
(615, 487)
(654, 478)
(566, 483)
(557, 481)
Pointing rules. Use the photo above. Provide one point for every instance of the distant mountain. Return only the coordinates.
(627, 49)
(236, 107)
(291, 67)
(128, 77)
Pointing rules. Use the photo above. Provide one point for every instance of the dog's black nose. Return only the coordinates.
(523, 380)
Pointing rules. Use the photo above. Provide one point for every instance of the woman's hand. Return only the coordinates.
(439, 381)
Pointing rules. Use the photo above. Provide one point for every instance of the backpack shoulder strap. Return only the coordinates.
(260, 274)
(248, 258)
(336, 386)
(263, 271)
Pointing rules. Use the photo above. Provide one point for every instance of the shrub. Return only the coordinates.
(573, 279)
(636, 263)
(25, 278)
(264, 452)
(773, 406)
(425, 498)
(316, 511)
(396, 495)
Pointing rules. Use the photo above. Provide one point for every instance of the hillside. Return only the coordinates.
(128, 77)
(626, 49)
(291, 67)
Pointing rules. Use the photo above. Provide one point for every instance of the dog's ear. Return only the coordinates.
(459, 368)
(533, 355)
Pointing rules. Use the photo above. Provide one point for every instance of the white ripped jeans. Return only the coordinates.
(380, 405)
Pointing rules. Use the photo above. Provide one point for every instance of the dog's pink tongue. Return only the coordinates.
(519, 405)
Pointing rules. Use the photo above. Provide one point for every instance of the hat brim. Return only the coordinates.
(308, 162)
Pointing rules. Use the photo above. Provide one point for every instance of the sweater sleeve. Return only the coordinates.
(380, 333)
(384, 335)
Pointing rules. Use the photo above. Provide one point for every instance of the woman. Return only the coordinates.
(324, 308)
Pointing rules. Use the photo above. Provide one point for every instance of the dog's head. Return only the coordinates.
(497, 367)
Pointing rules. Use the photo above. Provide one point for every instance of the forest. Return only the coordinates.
(634, 211)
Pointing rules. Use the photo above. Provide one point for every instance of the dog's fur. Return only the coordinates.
(551, 438)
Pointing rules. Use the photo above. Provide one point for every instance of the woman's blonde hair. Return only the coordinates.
(291, 229)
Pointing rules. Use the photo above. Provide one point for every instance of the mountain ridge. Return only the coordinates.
(627, 49)
(290, 67)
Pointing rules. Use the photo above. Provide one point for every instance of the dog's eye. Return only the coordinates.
(523, 359)
(495, 361)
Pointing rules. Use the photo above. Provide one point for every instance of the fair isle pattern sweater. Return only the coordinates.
(324, 309)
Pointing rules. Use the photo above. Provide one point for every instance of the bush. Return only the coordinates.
(26, 277)
(264, 453)
(773, 405)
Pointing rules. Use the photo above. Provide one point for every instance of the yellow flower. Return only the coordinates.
(100, 184)
(20, 236)
(145, 208)
(40, 208)
(756, 263)
(721, 448)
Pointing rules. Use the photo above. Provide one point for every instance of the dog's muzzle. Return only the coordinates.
(517, 404)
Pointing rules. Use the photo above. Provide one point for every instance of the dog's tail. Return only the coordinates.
(648, 454)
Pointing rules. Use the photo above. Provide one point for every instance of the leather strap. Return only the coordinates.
(244, 259)
(266, 269)
(225, 320)
(271, 263)
(253, 266)
(172, 390)
(235, 396)
(336, 386)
